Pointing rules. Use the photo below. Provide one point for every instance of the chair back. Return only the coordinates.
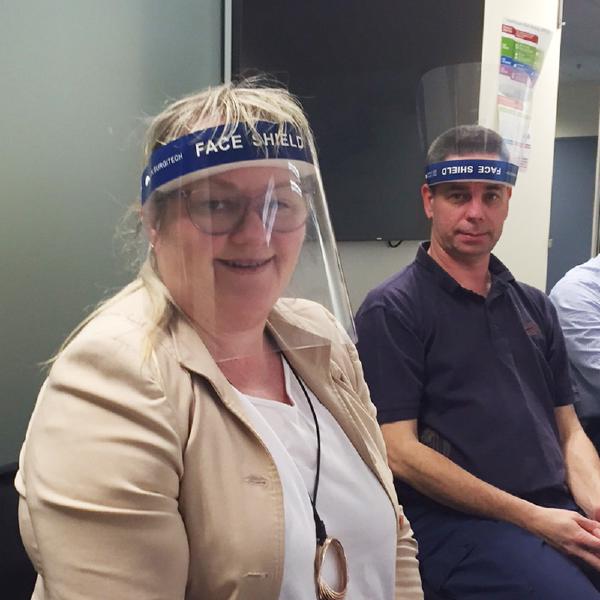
(17, 575)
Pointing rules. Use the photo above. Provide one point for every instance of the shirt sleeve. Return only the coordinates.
(101, 468)
(578, 311)
(393, 358)
(558, 359)
(408, 578)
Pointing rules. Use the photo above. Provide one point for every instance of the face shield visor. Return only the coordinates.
(460, 145)
(240, 232)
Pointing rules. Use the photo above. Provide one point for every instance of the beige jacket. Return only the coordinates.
(143, 479)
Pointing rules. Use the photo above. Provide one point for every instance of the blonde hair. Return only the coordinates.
(246, 101)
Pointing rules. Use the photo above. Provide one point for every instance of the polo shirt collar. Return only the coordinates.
(501, 276)
(500, 272)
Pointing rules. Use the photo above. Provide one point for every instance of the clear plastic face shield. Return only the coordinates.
(463, 150)
(240, 233)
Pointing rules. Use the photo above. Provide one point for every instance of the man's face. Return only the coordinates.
(466, 217)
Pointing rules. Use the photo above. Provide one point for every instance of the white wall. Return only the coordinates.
(524, 244)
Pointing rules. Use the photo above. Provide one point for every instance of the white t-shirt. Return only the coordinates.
(351, 502)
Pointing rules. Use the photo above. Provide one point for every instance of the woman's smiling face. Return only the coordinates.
(225, 281)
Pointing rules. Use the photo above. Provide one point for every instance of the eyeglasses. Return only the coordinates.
(217, 209)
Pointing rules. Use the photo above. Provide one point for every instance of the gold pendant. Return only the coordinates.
(324, 592)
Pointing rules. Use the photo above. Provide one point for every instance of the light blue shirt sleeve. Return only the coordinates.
(577, 300)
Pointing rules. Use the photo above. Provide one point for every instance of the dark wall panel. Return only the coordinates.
(356, 66)
(573, 188)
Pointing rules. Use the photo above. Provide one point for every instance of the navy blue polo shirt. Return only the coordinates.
(481, 375)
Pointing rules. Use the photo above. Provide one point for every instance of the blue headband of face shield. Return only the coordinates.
(472, 169)
(210, 148)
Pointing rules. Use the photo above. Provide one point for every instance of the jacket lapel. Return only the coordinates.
(194, 356)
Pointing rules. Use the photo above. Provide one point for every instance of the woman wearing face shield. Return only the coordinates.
(207, 432)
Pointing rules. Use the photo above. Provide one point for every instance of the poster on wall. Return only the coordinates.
(523, 48)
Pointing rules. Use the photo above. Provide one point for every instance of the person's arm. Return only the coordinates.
(581, 461)
(578, 310)
(408, 579)
(102, 465)
(439, 478)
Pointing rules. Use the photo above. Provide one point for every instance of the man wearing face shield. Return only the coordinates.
(207, 433)
(469, 372)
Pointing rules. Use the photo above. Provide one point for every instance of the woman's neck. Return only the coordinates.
(227, 345)
(250, 361)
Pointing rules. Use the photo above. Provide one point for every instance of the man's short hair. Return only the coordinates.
(467, 139)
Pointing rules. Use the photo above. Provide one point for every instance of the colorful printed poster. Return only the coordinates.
(523, 48)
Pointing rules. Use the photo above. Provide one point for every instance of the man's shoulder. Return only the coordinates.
(530, 293)
(534, 301)
(581, 279)
(401, 289)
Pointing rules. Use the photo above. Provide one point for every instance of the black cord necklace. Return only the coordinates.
(324, 592)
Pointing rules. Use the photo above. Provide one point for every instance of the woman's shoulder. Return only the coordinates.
(128, 308)
(112, 363)
(311, 317)
(116, 328)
